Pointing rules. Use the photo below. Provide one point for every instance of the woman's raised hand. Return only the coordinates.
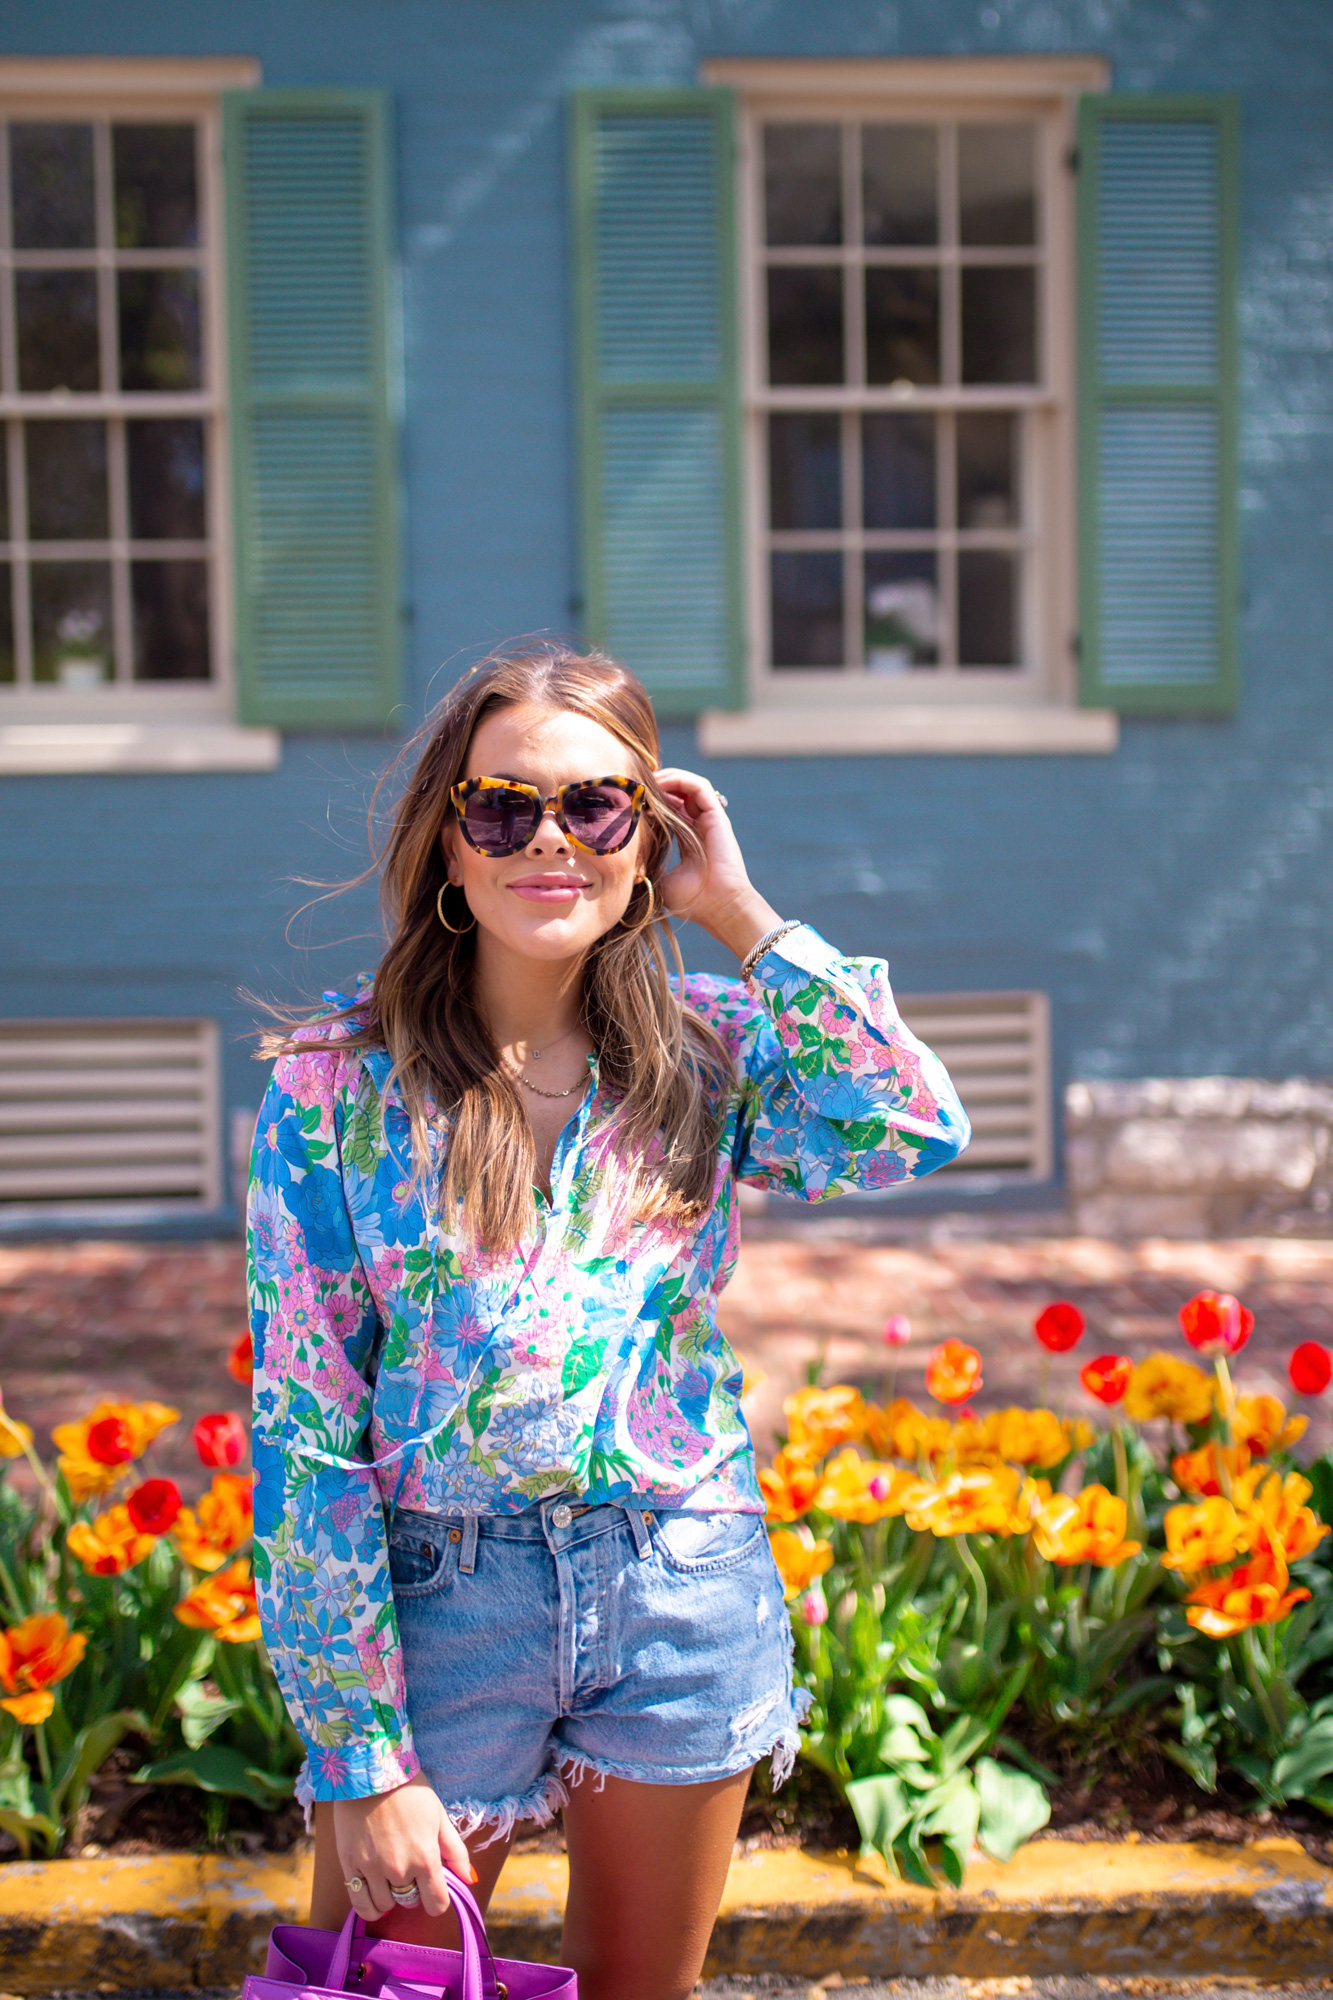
(398, 1837)
(713, 889)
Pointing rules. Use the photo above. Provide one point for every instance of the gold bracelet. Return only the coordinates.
(765, 944)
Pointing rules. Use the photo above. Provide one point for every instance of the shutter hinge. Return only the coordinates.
(1071, 159)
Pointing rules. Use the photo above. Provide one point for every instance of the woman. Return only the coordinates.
(510, 1545)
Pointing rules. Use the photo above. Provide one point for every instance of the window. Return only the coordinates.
(111, 510)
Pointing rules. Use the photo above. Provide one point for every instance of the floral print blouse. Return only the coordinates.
(395, 1368)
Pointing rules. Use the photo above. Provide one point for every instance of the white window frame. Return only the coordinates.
(828, 711)
(157, 725)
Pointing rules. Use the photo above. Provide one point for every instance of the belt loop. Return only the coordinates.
(639, 1530)
(467, 1555)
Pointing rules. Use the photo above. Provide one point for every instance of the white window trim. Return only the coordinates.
(832, 713)
(153, 726)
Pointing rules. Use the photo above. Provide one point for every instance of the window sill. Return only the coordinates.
(891, 729)
(43, 749)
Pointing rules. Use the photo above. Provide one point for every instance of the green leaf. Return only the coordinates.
(1016, 1754)
(902, 1746)
(87, 1754)
(960, 1743)
(214, 1767)
(1312, 1758)
(581, 1364)
(1013, 1807)
(201, 1713)
(952, 1815)
(22, 1826)
(900, 1708)
(1198, 1760)
(883, 1809)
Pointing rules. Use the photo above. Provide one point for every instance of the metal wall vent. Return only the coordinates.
(108, 1112)
(997, 1049)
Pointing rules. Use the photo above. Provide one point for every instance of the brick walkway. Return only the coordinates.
(89, 1319)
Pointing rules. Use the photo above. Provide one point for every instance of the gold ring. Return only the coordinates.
(407, 1895)
(355, 1884)
(722, 800)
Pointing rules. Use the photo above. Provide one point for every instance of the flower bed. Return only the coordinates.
(992, 1613)
(966, 1590)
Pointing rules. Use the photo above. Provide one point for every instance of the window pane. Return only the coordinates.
(170, 620)
(807, 608)
(156, 203)
(997, 195)
(804, 471)
(902, 610)
(67, 495)
(805, 327)
(52, 169)
(57, 329)
(987, 608)
(902, 325)
(71, 623)
(159, 330)
(166, 469)
(803, 184)
(899, 183)
(898, 470)
(6, 625)
(987, 469)
(999, 324)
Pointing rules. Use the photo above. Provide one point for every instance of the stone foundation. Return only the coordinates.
(1200, 1156)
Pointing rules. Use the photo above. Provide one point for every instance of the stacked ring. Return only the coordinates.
(406, 1895)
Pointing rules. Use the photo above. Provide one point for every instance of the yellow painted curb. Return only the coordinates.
(181, 1920)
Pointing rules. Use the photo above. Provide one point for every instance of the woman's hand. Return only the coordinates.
(713, 890)
(398, 1837)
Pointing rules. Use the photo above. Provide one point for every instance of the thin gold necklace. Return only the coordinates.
(519, 1077)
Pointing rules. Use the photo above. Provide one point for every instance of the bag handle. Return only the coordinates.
(472, 1927)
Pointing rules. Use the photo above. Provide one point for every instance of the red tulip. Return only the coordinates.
(110, 1441)
(1107, 1378)
(1059, 1327)
(1310, 1368)
(219, 1438)
(153, 1507)
(897, 1330)
(1216, 1323)
(241, 1360)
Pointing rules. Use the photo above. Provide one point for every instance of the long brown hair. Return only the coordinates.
(666, 1070)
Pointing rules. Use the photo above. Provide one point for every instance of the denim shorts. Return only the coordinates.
(570, 1642)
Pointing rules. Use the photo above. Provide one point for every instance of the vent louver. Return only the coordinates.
(108, 1112)
(996, 1047)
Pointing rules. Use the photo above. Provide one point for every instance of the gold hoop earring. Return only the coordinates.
(644, 922)
(458, 930)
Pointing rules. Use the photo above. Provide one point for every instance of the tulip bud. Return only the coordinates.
(1107, 1377)
(953, 1372)
(814, 1608)
(153, 1507)
(219, 1438)
(1310, 1368)
(897, 1330)
(1216, 1323)
(1059, 1327)
(241, 1360)
(110, 1441)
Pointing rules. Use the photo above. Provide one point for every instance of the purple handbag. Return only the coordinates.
(305, 1964)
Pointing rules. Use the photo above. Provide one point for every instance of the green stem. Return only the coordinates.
(981, 1608)
(10, 1588)
(43, 1753)
(1254, 1676)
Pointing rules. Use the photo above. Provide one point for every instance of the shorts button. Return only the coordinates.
(561, 1516)
(455, 1534)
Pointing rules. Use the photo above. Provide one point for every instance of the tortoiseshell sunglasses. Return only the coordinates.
(498, 816)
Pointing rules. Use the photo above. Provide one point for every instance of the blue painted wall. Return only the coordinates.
(1176, 899)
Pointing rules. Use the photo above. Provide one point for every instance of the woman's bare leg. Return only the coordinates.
(647, 1867)
(329, 1905)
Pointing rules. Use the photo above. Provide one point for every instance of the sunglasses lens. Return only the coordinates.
(497, 818)
(601, 816)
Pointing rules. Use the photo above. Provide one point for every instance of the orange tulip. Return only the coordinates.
(901, 1431)
(110, 1544)
(15, 1438)
(34, 1655)
(789, 1487)
(800, 1559)
(1084, 1527)
(1024, 1437)
(977, 1502)
(859, 1489)
(1254, 1594)
(822, 1419)
(1262, 1423)
(223, 1605)
(1163, 1386)
(1276, 1510)
(1201, 1471)
(1205, 1536)
(241, 1360)
(953, 1372)
(208, 1533)
(91, 1449)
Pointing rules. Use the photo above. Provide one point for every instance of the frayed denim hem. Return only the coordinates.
(540, 1803)
(781, 1746)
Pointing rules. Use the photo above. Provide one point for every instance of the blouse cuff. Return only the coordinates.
(356, 1770)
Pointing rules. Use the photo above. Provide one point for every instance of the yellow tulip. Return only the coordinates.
(1163, 1386)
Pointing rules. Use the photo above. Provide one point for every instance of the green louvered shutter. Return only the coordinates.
(1158, 474)
(309, 240)
(655, 301)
